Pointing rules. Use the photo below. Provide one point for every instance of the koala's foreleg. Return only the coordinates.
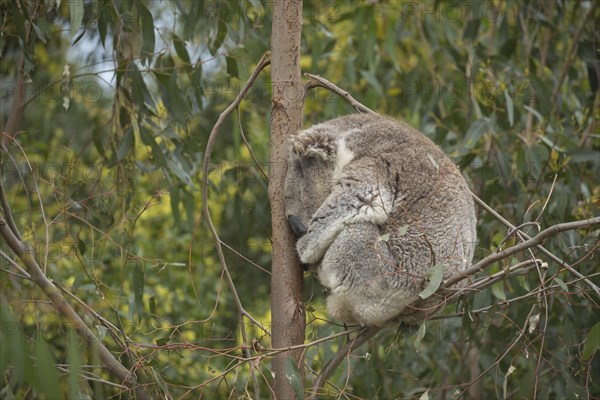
(351, 201)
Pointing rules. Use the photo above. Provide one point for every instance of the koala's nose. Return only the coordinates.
(297, 225)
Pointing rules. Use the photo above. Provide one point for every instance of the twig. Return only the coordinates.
(538, 246)
(317, 81)
(264, 61)
(6, 210)
(260, 168)
(332, 364)
(522, 332)
(531, 242)
(14, 264)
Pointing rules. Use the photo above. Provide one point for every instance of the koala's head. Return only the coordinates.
(310, 170)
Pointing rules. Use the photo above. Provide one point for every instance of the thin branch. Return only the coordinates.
(539, 246)
(14, 264)
(264, 61)
(6, 210)
(317, 81)
(531, 242)
(260, 168)
(332, 364)
(522, 332)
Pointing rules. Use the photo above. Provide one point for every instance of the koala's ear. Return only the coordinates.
(297, 225)
(311, 143)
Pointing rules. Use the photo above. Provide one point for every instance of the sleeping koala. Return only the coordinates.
(375, 204)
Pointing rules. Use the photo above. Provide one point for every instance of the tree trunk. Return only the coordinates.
(287, 309)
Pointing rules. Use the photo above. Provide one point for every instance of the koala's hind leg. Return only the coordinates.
(362, 274)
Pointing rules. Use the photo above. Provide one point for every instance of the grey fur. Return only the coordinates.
(376, 204)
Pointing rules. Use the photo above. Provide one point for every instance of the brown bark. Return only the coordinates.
(287, 309)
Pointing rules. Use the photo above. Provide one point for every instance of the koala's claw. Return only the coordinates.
(297, 225)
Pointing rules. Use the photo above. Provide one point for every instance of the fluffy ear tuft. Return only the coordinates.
(314, 144)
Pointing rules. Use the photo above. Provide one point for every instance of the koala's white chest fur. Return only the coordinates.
(375, 213)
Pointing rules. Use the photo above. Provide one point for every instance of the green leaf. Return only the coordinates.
(498, 290)
(403, 230)
(232, 67)
(102, 27)
(384, 238)
(373, 82)
(161, 383)
(181, 51)
(74, 368)
(45, 371)
(218, 39)
(75, 16)
(190, 208)
(125, 144)
(197, 84)
(592, 343)
(535, 113)
(419, 337)
(101, 332)
(562, 284)
(138, 290)
(542, 94)
(294, 378)
(175, 200)
(436, 274)
(148, 140)
(471, 29)
(475, 132)
(147, 32)
(510, 108)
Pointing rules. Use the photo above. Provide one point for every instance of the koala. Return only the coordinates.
(375, 204)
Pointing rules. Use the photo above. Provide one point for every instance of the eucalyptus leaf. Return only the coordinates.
(436, 274)
(294, 378)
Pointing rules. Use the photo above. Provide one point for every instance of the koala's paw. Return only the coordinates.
(314, 144)
(297, 225)
(308, 250)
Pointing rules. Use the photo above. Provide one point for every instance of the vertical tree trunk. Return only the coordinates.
(287, 309)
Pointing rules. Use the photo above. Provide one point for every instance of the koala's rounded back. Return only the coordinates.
(377, 204)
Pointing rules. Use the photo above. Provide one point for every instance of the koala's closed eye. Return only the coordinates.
(342, 197)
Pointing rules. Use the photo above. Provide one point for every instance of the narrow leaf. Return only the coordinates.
(562, 284)
(148, 38)
(384, 238)
(498, 290)
(592, 343)
(403, 230)
(294, 377)
(510, 108)
(138, 290)
(436, 274)
(419, 337)
(75, 16)
(45, 371)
